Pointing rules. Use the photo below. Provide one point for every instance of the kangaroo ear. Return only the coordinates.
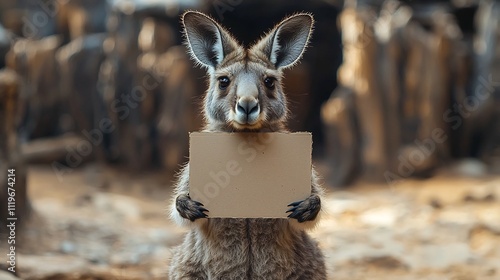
(207, 41)
(285, 43)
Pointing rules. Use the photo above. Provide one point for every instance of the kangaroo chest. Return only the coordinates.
(248, 248)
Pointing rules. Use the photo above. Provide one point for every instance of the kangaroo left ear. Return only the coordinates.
(285, 43)
(208, 42)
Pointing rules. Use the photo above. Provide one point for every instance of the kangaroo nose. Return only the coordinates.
(247, 106)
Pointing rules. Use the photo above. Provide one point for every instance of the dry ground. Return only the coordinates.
(113, 225)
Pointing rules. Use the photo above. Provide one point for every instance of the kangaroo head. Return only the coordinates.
(245, 91)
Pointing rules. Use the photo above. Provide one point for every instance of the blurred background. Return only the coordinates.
(97, 99)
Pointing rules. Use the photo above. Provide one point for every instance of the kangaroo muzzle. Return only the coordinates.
(247, 110)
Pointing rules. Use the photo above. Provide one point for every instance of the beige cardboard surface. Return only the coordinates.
(249, 175)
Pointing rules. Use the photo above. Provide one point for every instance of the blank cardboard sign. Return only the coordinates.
(249, 175)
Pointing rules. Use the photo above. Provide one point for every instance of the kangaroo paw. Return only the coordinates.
(305, 210)
(190, 209)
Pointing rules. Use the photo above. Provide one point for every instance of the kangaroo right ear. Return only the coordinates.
(286, 42)
(207, 41)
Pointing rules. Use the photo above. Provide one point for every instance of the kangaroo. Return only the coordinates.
(245, 95)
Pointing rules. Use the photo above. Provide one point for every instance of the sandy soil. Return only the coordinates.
(111, 224)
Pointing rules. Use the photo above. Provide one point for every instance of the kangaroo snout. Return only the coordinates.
(247, 110)
(247, 106)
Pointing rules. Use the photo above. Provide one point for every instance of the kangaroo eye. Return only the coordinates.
(269, 82)
(224, 82)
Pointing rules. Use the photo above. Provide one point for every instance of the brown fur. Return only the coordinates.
(217, 248)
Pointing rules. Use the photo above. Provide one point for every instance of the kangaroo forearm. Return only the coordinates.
(182, 184)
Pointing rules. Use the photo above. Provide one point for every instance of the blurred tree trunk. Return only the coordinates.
(342, 133)
(10, 157)
(35, 63)
(485, 120)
